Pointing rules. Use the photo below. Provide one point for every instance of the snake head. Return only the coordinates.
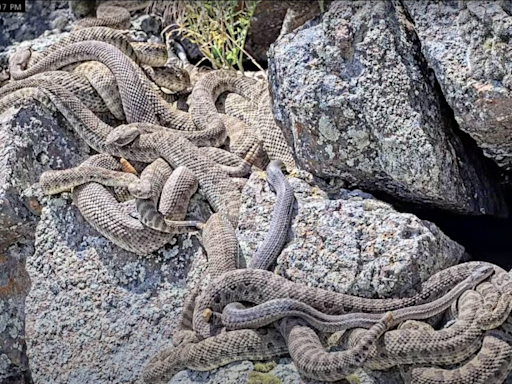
(274, 173)
(18, 61)
(4, 75)
(122, 135)
(173, 77)
(141, 189)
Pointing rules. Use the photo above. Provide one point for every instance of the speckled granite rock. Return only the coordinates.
(95, 309)
(468, 45)
(267, 22)
(39, 15)
(354, 244)
(31, 141)
(355, 100)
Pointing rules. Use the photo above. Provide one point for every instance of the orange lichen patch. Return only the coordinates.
(126, 166)
(10, 289)
(482, 87)
(299, 128)
(18, 284)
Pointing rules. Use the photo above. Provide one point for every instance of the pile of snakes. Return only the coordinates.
(183, 129)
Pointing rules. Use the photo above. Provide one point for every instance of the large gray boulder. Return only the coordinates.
(31, 141)
(356, 103)
(352, 244)
(468, 45)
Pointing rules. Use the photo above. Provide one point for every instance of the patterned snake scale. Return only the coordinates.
(101, 210)
(137, 95)
(275, 240)
(259, 286)
(174, 189)
(146, 55)
(113, 13)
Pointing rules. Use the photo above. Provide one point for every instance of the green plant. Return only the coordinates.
(218, 28)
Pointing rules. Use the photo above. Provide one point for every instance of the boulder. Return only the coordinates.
(94, 308)
(31, 141)
(352, 243)
(468, 46)
(357, 104)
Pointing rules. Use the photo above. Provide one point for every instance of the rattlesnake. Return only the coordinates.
(219, 241)
(203, 109)
(491, 365)
(106, 217)
(414, 344)
(136, 93)
(213, 181)
(236, 316)
(275, 240)
(259, 286)
(166, 363)
(140, 101)
(99, 207)
(146, 55)
(174, 190)
(74, 82)
(113, 13)
(169, 361)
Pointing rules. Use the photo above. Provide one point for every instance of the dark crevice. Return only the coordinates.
(485, 237)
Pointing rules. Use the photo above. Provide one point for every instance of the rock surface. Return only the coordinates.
(353, 244)
(31, 141)
(354, 98)
(97, 313)
(469, 47)
(38, 17)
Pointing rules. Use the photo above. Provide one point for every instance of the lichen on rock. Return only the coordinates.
(357, 103)
(468, 45)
